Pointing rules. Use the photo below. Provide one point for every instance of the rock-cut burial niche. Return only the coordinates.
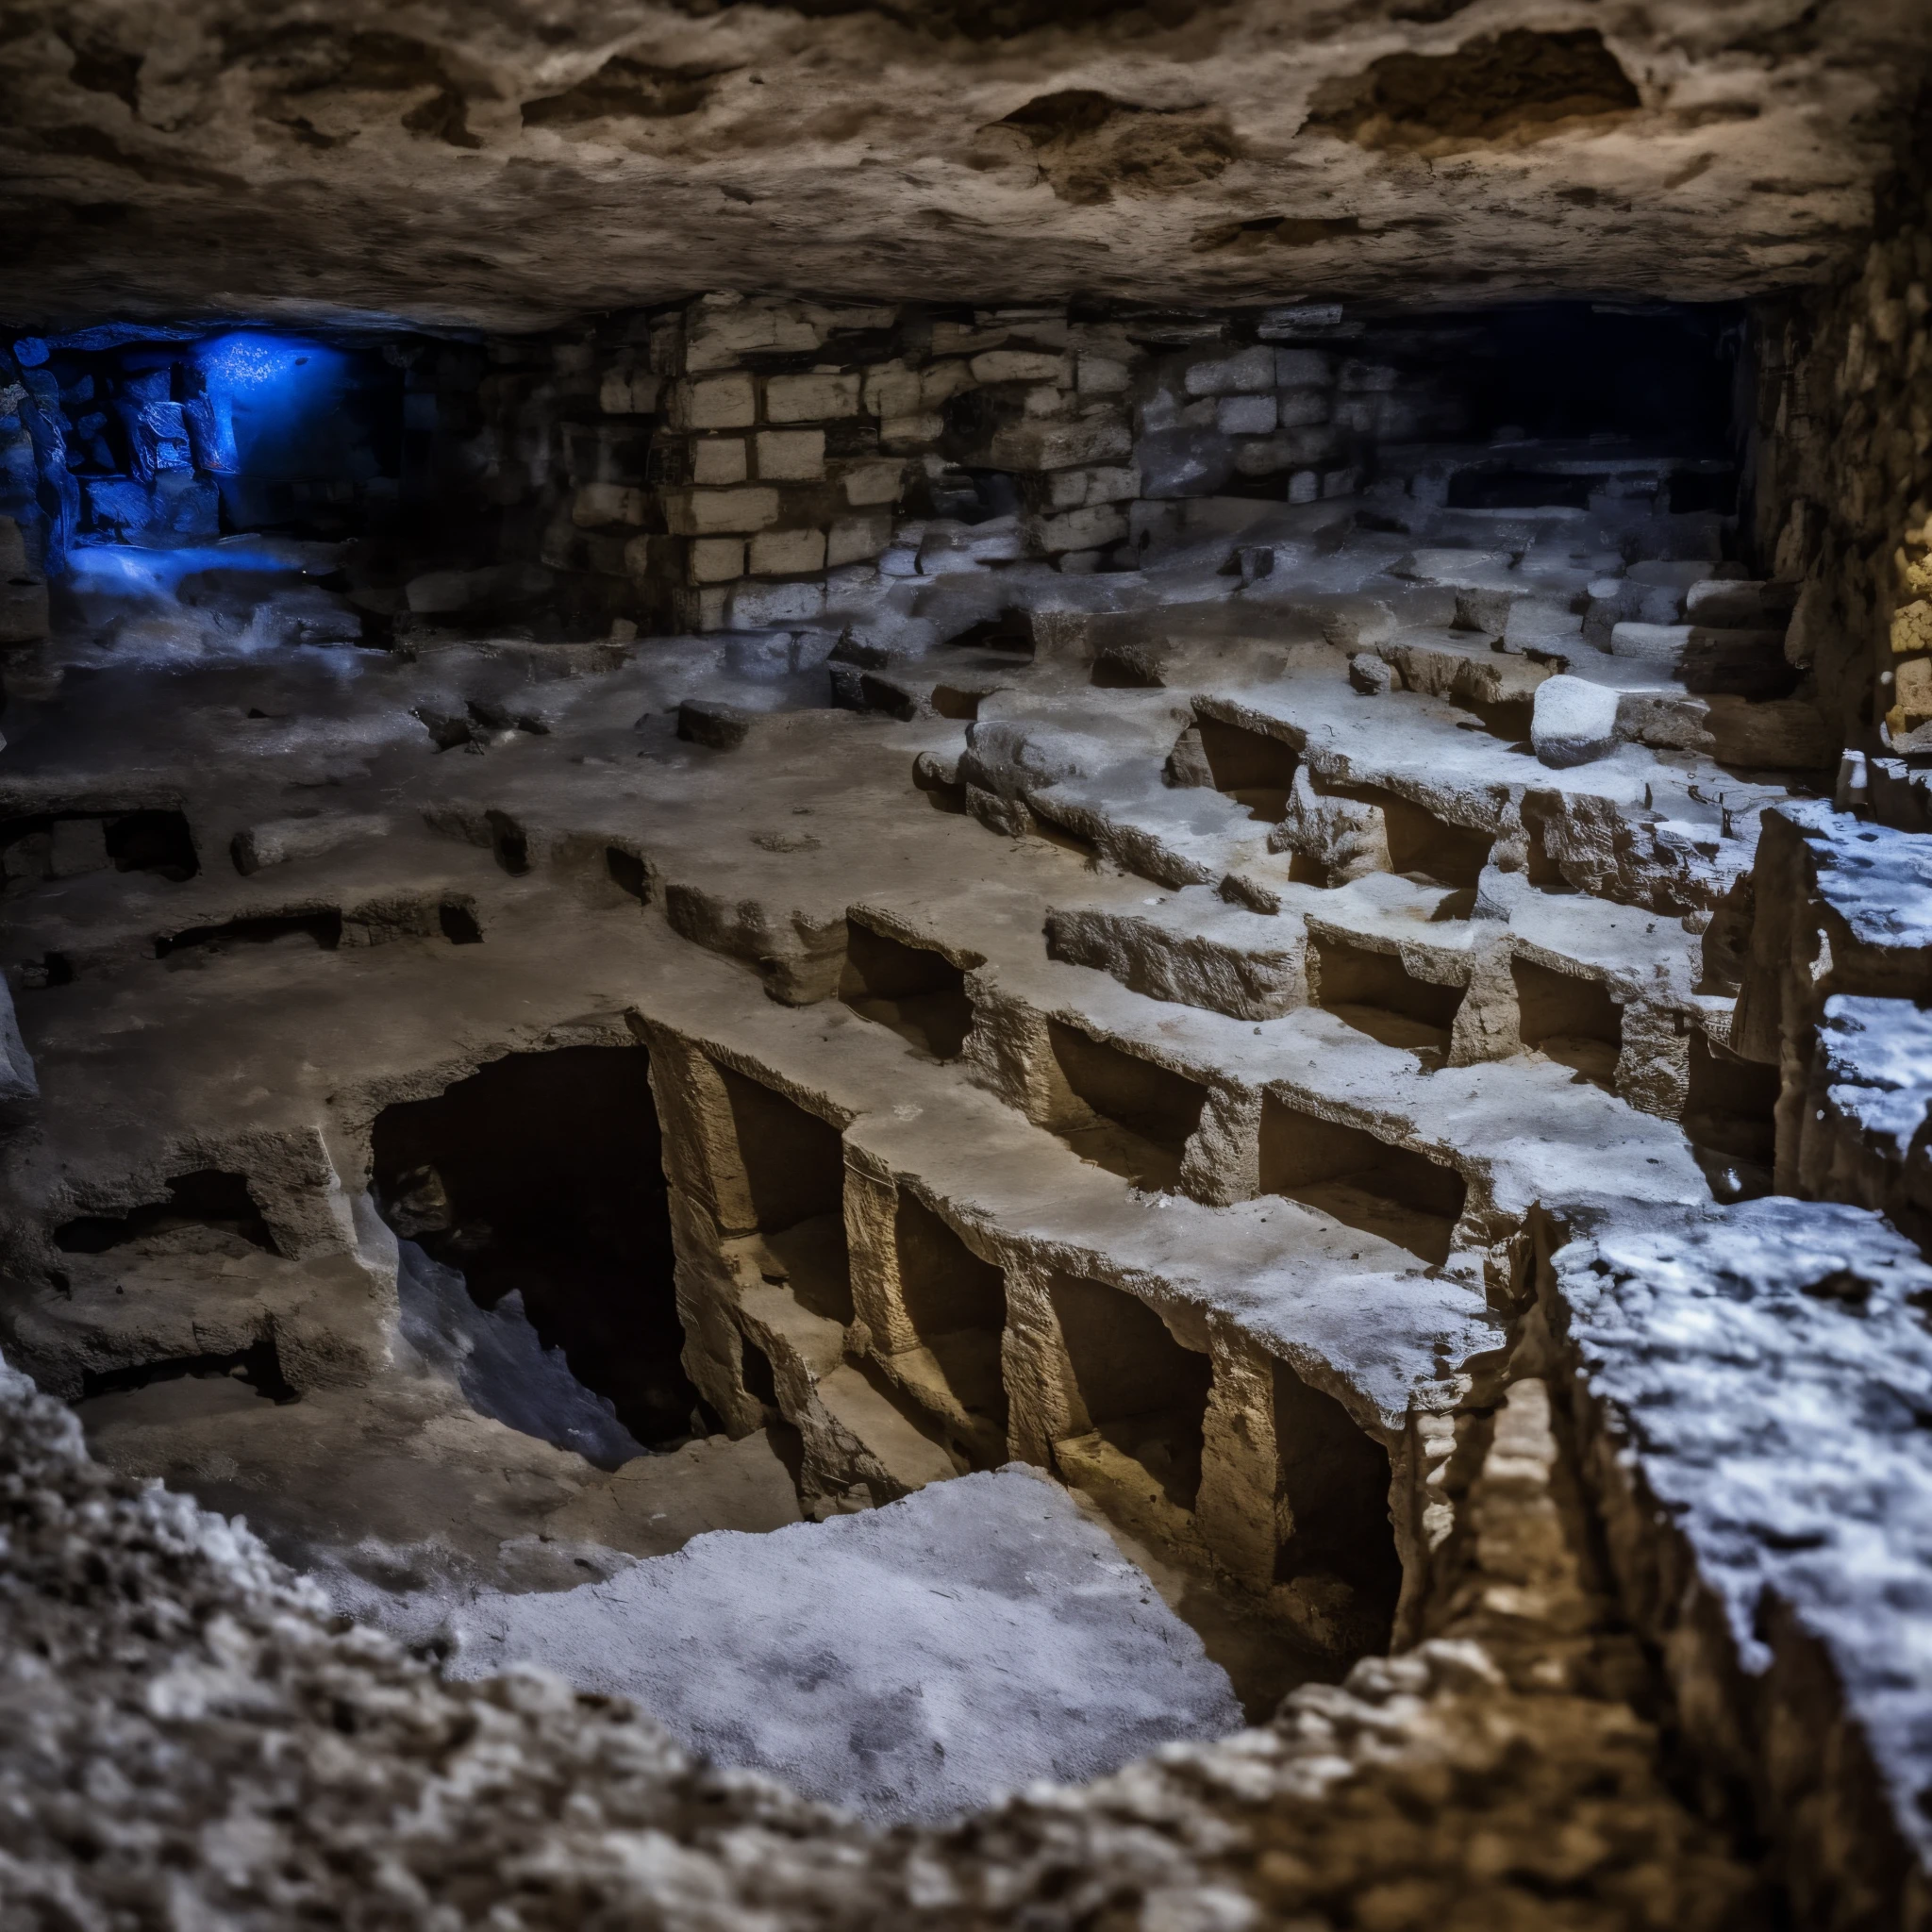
(791, 1172)
(542, 1174)
(956, 1306)
(1136, 1408)
(1251, 768)
(1571, 1020)
(1730, 1117)
(914, 991)
(206, 1211)
(1363, 1182)
(1123, 1113)
(65, 844)
(1337, 1544)
(1377, 995)
(1422, 848)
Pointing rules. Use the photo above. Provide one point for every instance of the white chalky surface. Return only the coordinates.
(909, 1662)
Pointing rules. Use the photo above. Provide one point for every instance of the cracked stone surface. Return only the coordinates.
(1198, 153)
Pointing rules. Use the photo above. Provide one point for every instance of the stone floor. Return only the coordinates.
(1163, 1037)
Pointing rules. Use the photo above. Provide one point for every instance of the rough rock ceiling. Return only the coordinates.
(513, 165)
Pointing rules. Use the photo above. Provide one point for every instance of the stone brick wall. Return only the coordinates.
(749, 456)
(1843, 499)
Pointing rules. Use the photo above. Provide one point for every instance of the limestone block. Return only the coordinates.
(723, 728)
(628, 392)
(1090, 528)
(754, 606)
(1297, 409)
(1065, 489)
(1302, 369)
(1101, 438)
(1573, 721)
(714, 402)
(911, 432)
(276, 841)
(892, 389)
(1245, 415)
(719, 513)
(966, 339)
(949, 547)
(856, 540)
(942, 381)
(1912, 691)
(1248, 372)
(1739, 603)
(1100, 376)
(874, 483)
(787, 552)
(717, 560)
(1113, 483)
(1305, 486)
(1020, 365)
(792, 456)
(722, 329)
(1772, 734)
(814, 398)
(597, 504)
(718, 460)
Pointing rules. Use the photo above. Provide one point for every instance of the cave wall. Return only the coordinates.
(1843, 489)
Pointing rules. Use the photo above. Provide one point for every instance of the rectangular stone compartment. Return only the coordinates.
(1134, 1119)
(913, 991)
(1731, 1104)
(1571, 1020)
(1361, 1181)
(1251, 768)
(1137, 1404)
(1426, 848)
(1377, 995)
(955, 1303)
(1332, 1512)
(793, 1166)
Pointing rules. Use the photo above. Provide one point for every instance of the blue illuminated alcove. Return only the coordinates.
(291, 410)
(166, 436)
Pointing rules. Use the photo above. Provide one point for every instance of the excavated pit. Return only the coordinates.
(983, 1039)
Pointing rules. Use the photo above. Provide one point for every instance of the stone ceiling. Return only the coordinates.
(514, 163)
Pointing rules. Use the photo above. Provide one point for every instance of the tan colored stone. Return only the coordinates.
(709, 512)
(596, 503)
(872, 483)
(1019, 365)
(718, 460)
(818, 397)
(717, 560)
(787, 552)
(792, 456)
(714, 402)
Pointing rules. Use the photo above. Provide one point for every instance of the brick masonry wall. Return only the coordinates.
(1843, 494)
(746, 455)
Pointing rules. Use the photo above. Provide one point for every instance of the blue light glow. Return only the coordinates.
(251, 362)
